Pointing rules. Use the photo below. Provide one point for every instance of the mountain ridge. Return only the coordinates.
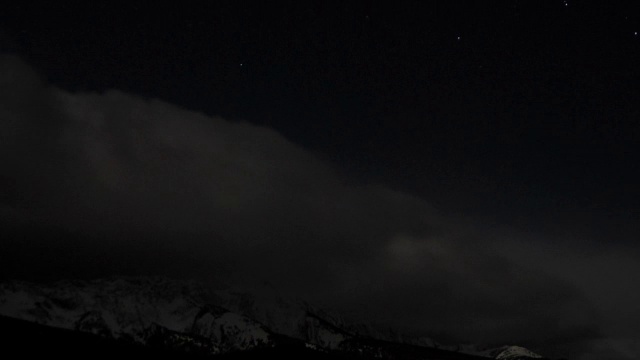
(185, 315)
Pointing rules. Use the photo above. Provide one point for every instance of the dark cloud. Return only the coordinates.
(102, 183)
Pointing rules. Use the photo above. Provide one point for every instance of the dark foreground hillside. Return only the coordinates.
(30, 340)
(27, 339)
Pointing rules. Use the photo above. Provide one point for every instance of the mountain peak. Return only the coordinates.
(516, 353)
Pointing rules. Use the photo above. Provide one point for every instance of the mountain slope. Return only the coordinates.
(185, 317)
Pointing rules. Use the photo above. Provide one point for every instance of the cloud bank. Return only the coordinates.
(95, 184)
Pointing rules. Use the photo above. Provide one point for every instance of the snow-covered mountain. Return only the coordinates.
(514, 353)
(188, 317)
(139, 310)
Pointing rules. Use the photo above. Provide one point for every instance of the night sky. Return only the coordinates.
(468, 166)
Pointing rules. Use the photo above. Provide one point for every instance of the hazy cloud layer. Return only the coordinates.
(96, 184)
